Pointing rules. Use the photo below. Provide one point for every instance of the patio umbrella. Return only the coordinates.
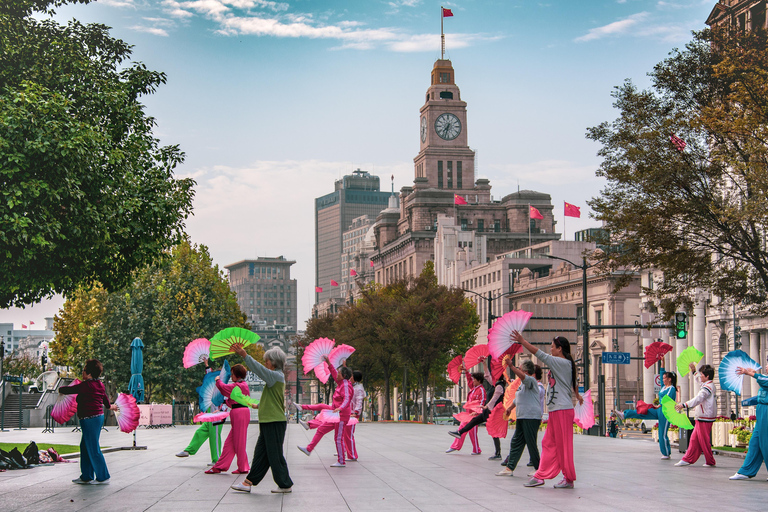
(136, 385)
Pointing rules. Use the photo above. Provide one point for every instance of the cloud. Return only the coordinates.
(150, 30)
(615, 28)
(118, 3)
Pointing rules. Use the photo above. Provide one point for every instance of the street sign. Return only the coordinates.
(657, 383)
(615, 357)
(630, 402)
(12, 378)
(581, 389)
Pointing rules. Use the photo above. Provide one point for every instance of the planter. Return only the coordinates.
(655, 434)
(720, 435)
(673, 436)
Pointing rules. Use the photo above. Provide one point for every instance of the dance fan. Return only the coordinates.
(674, 417)
(322, 372)
(315, 352)
(224, 340)
(475, 356)
(352, 421)
(496, 425)
(464, 417)
(584, 414)
(210, 396)
(337, 355)
(454, 369)
(127, 413)
(499, 337)
(642, 407)
(65, 406)
(497, 368)
(686, 357)
(509, 397)
(212, 417)
(655, 353)
(729, 379)
(474, 406)
(196, 352)
(328, 416)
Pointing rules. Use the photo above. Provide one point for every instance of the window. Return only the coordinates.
(463, 224)
(458, 174)
(480, 224)
(496, 226)
(446, 95)
(439, 174)
(445, 78)
(450, 174)
(599, 319)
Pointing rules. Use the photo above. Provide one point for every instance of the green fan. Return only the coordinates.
(674, 417)
(686, 357)
(222, 342)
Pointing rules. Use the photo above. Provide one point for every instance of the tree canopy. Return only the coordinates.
(88, 193)
(694, 208)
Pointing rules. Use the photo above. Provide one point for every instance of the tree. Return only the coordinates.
(88, 192)
(696, 213)
(76, 325)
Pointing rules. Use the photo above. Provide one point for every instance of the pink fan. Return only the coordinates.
(454, 369)
(464, 417)
(196, 352)
(474, 406)
(475, 355)
(353, 421)
(127, 413)
(584, 415)
(65, 406)
(313, 354)
(339, 354)
(213, 417)
(496, 367)
(496, 425)
(499, 339)
(322, 372)
(328, 416)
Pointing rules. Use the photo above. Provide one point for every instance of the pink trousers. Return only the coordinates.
(339, 438)
(701, 442)
(557, 447)
(349, 441)
(235, 442)
(458, 443)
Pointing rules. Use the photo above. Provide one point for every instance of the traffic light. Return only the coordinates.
(681, 325)
(736, 336)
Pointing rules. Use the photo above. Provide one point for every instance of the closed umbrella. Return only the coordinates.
(136, 385)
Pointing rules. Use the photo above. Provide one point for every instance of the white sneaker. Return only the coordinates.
(620, 414)
(708, 465)
(739, 476)
(80, 481)
(183, 453)
(241, 487)
(338, 465)
(211, 464)
(478, 453)
(682, 463)
(103, 482)
(533, 482)
(304, 424)
(304, 450)
(564, 484)
(505, 472)
(450, 450)
(282, 490)
(353, 459)
(665, 457)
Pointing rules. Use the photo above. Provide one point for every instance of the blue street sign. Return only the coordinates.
(615, 357)
(630, 402)
(581, 389)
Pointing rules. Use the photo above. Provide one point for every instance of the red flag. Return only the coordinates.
(534, 213)
(677, 142)
(457, 199)
(352, 272)
(447, 13)
(31, 322)
(23, 326)
(371, 263)
(318, 289)
(572, 211)
(334, 283)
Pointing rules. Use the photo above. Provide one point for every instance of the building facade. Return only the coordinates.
(27, 342)
(265, 291)
(739, 14)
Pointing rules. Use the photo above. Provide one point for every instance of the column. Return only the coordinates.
(648, 375)
(754, 353)
(699, 333)
(682, 382)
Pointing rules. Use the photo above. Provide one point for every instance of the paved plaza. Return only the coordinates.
(402, 467)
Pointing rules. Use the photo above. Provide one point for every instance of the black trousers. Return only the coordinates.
(526, 432)
(269, 454)
(480, 418)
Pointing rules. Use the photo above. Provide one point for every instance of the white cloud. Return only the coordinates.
(150, 30)
(615, 28)
(118, 3)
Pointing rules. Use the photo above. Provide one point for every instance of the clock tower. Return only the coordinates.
(444, 158)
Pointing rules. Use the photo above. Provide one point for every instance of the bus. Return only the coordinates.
(442, 411)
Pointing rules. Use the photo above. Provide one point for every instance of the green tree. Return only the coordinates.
(18, 365)
(75, 326)
(88, 192)
(697, 214)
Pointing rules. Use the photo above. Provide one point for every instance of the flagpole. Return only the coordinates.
(529, 227)
(442, 36)
(565, 235)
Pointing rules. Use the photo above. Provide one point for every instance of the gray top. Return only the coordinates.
(527, 400)
(270, 377)
(560, 394)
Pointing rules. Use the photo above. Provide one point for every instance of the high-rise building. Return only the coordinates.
(265, 291)
(354, 195)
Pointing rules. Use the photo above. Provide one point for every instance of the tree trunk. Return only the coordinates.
(424, 418)
(386, 413)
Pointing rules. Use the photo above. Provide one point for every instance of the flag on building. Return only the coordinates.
(371, 263)
(534, 213)
(677, 142)
(31, 322)
(457, 199)
(334, 283)
(23, 326)
(352, 272)
(447, 13)
(572, 211)
(318, 289)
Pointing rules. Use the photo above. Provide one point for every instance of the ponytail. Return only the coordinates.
(564, 345)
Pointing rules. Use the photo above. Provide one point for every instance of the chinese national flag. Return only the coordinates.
(334, 283)
(23, 326)
(447, 13)
(534, 213)
(457, 199)
(318, 289)
(31, 322)
(572, 211)
(371, 263)
(352, 272)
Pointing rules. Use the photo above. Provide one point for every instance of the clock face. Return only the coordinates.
(423, 129)
(448, 126)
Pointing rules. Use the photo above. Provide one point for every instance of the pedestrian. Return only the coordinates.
(476, 393)
(91, 400)
(557, 444)
(670, 390)
(757, 452)
(358, 397)
(613, 425)
(528, 409)
(706, 413)
(208, 431)
(239, 418)
(268, 453)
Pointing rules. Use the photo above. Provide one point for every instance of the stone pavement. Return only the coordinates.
(402, 467)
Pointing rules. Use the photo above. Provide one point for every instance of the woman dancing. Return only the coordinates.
(240, 417)
(528, 405)
(757, 453)
(557, 444)
(670, 390)
(476, 393)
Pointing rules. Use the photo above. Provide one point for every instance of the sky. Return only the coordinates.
(272, 101)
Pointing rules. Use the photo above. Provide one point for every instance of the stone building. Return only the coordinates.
(265, 291)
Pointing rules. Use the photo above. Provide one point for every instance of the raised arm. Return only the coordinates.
(517, 337)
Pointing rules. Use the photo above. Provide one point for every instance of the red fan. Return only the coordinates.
(496, 425)
(475, 355)
(313, 354)
(642, 407)
(655, 352)
(496, 367)
(509, 397)
(213, 417)
(464, 417)
(474, 406)
(454, 369)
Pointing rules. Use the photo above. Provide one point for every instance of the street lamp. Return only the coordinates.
(584, 315)
(489, 299)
